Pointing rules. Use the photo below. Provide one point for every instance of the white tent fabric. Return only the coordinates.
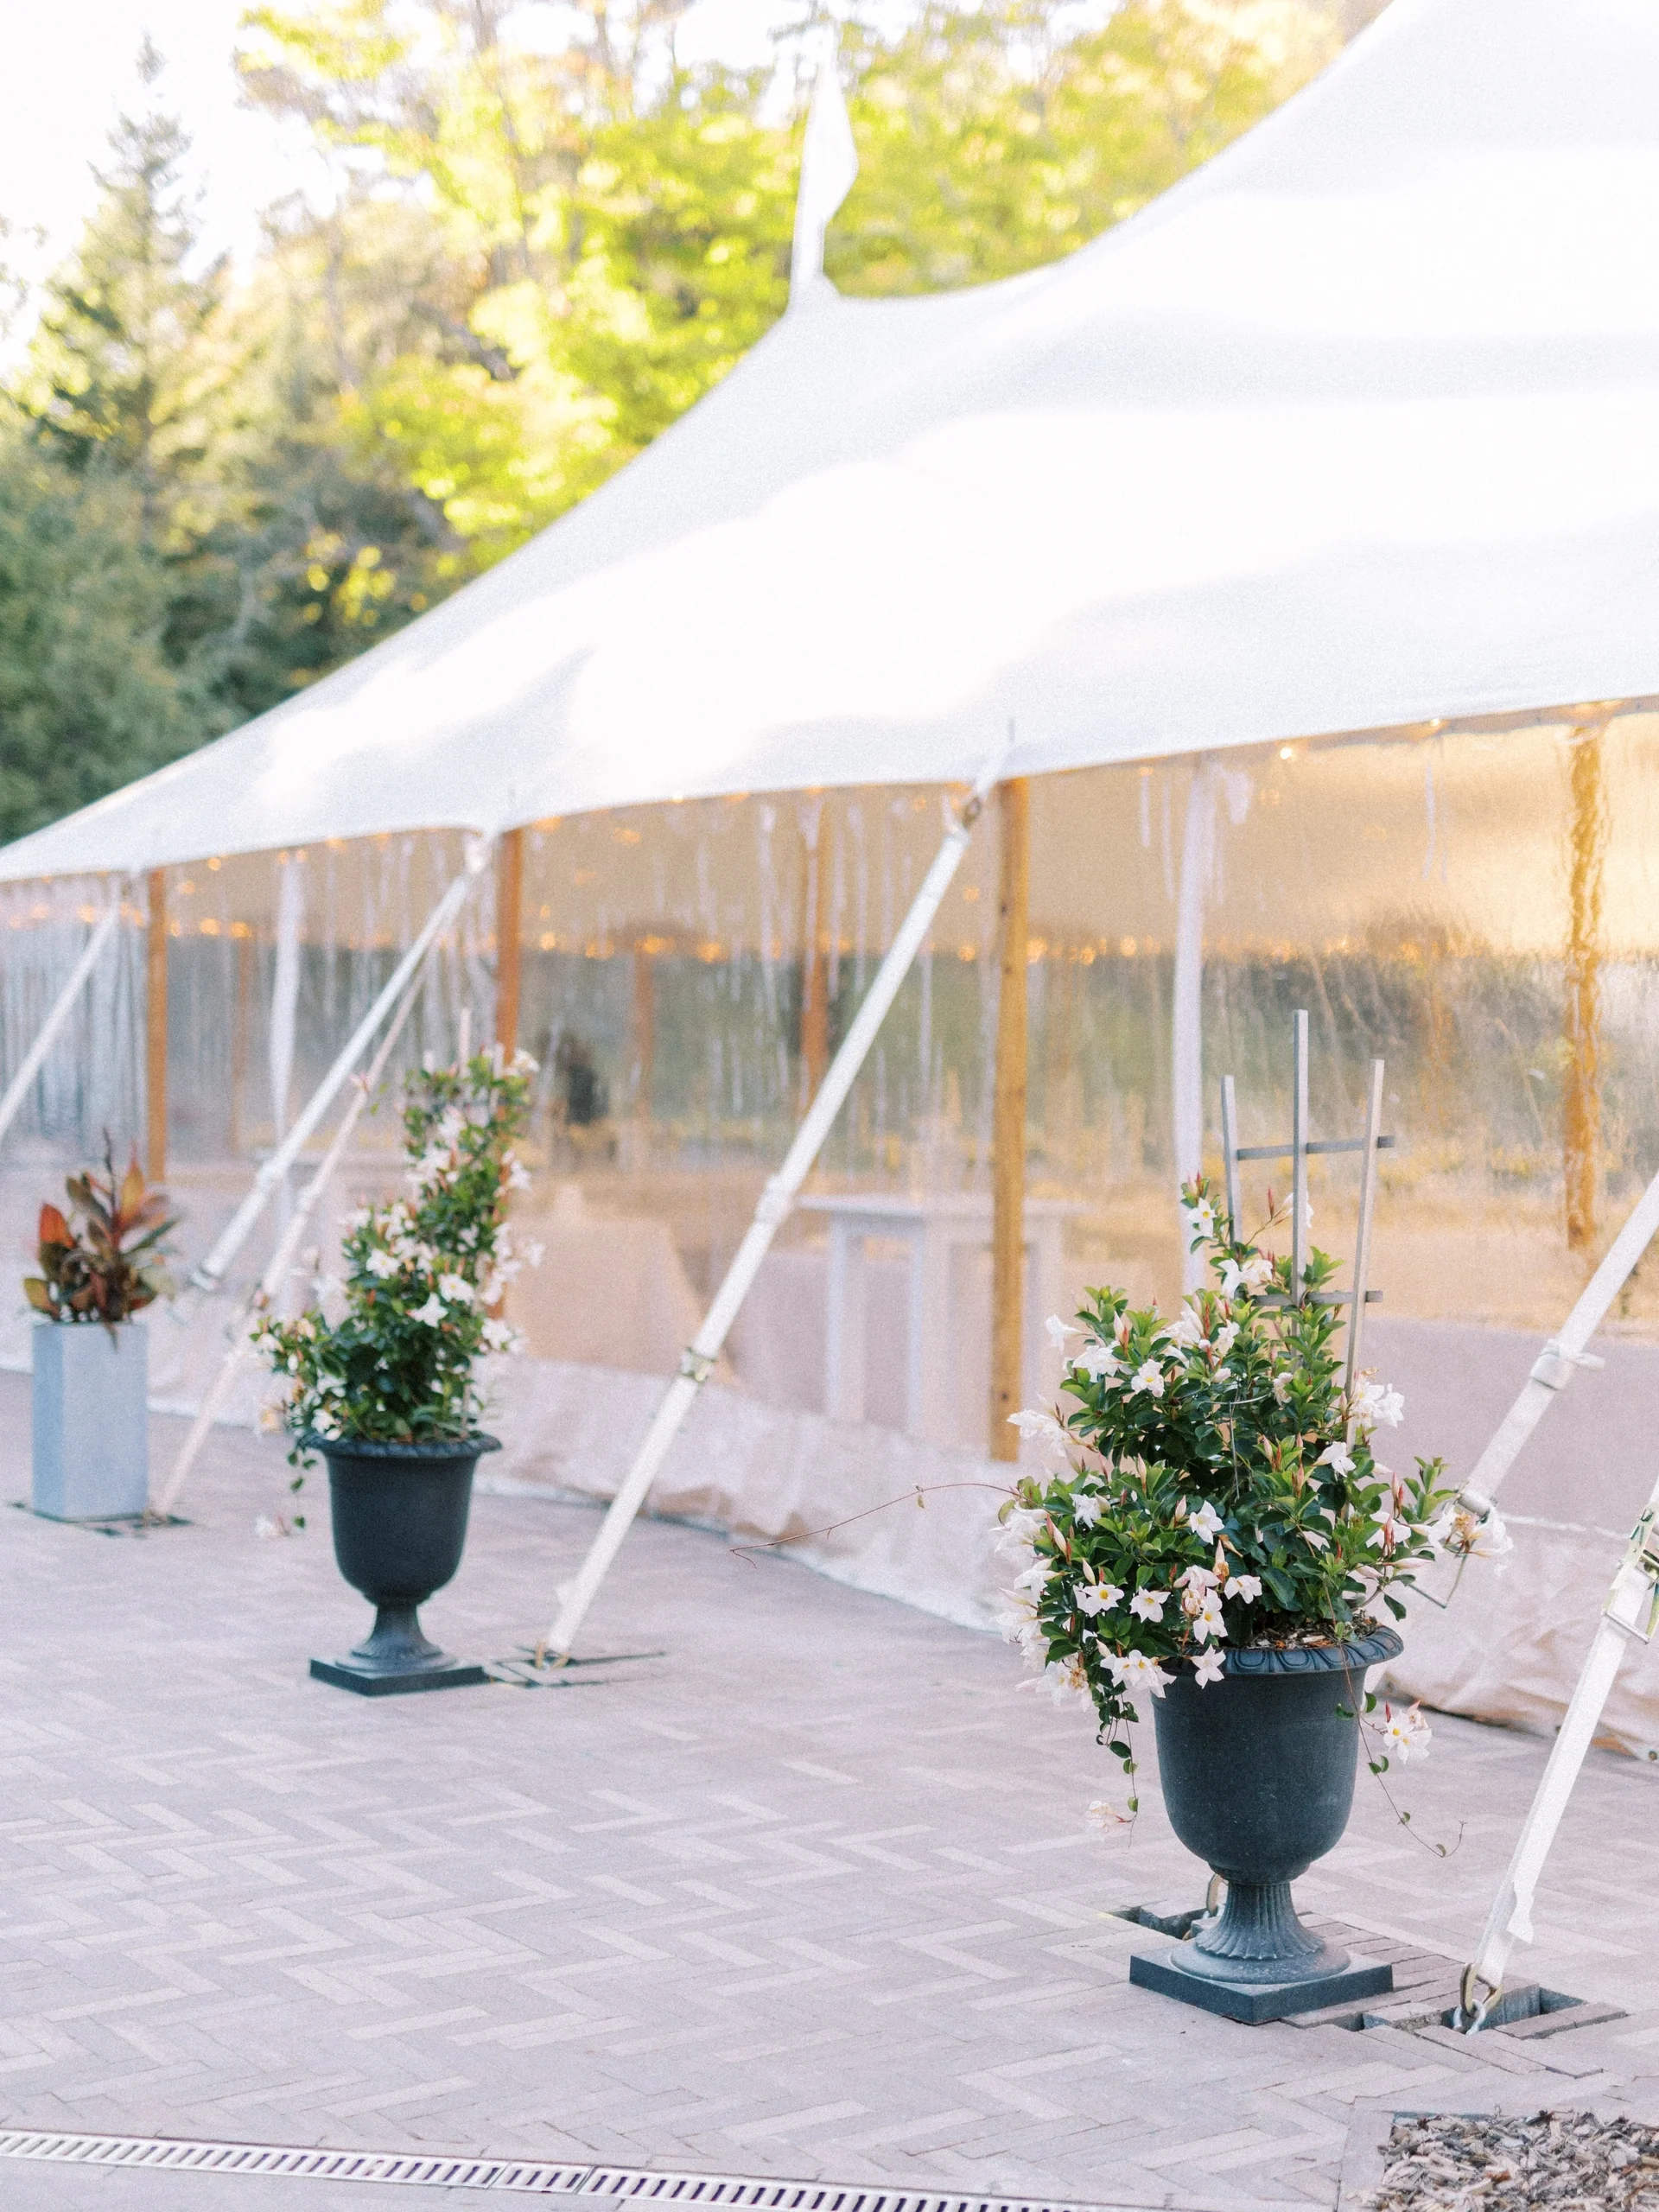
(1352, 429)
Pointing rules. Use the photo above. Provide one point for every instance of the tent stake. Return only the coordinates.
(210, 1275)
(281, 1260)
(17, 1090)
(698, 1359)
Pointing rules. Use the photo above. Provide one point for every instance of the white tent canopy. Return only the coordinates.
(1353, 429)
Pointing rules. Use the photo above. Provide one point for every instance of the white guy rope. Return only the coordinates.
(34, 1059)
(1627, 1617)
(282, 1258)
(211, 1274)
(776, 1200)
(1555, 1365)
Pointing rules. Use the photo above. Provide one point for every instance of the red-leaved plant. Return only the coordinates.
(110, 1263)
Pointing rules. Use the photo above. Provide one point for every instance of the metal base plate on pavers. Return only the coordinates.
(351, 1675)
(1257, 2002)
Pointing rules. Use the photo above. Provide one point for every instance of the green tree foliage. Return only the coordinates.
(87, 697)
(530, 263)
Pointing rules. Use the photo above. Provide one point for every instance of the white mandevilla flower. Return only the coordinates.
(1197, 1578)
(1106, 1818)
(1247, 1588)
(1405, 1735)
(514, 1173)
(1200, 1219)
(501, 1335)
(383, 1265)
(1336, 1457)
(1225, 1337)
(1038, 1427)
(1034, 1576)
(1209, 1667)
(1253, 1277)
(1096, 1598)
(1207, 1523)
(1096, 1360)
(1148, 1604)
(1020, 1529)
(1378, 1407)
(1281, 1383)
(433, 1315)
(1058, 1331)
(1065, 1681)
(1149, 1377)
(1085, 1508)
(455, 1290)
(1207, 1622)
(1189, 1328)
(1137, 1671)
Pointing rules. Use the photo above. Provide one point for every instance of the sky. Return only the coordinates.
(70, 69)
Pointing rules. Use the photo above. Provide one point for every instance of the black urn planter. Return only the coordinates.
(1258, 1774)
(400, 1525)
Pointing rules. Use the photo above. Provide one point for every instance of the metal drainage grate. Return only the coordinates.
(533, 2177)
(526, 2176)
(795, 2196)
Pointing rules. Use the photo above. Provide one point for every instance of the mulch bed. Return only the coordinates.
(1570, 2161)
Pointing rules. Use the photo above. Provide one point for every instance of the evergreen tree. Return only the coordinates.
(116, 366)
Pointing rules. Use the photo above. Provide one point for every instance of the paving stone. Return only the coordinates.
(811, 1895)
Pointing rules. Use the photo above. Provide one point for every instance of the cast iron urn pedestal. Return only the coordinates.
(1258, 1780)
(400, 1525)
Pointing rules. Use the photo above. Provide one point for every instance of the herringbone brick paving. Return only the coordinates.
(811, 1895)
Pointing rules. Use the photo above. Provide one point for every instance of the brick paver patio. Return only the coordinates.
(811, 1895)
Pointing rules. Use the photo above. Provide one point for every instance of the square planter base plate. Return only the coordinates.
(351, 1674)
(1254, 2002)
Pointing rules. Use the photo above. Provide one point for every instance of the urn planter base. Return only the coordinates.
(1340, 1981)
(399, 1517)
(351, 1674)
(1257, 1772)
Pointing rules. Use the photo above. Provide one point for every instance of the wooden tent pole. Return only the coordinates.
(1009, 1121)
(1581, 1101)
(156, 1029)
(815, 957)
(509, 950)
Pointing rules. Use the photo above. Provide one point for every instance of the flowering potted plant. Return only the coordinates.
(1218, 1535)
(100, 1263)
(388, 1392)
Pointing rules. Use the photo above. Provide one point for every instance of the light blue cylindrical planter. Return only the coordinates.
(92, 1429)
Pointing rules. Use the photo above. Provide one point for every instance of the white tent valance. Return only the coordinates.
(1353, 429)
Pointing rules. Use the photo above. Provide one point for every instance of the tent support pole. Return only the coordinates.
(32, 1060)
(155, 1027)
(1629, 1615)
(509, 948)
(283, 1259)
(1009, 1120)
(210, 1275)
(698, 1359)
